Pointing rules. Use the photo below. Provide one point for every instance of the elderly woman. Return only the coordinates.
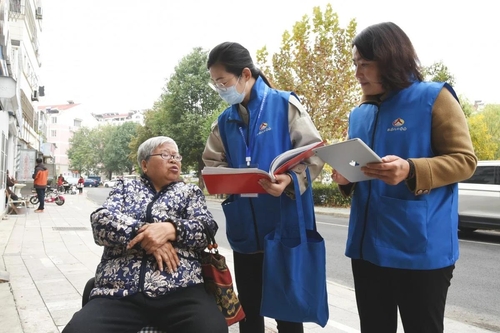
(152, 230)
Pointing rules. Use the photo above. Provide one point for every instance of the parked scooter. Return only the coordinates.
(68, 188)
(73, 189)
(51, 195)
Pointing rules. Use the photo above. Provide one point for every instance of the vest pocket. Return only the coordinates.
(401, 225)
(240, 228)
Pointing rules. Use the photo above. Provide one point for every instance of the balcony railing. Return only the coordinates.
(16, 9)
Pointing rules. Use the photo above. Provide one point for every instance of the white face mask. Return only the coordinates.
(231, 95)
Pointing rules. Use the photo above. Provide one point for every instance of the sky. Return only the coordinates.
(116, 55)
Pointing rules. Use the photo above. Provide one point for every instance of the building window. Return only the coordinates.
(53, 133)
(54, 120)
(77, 123)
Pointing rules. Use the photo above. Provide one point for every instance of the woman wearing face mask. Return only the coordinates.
(260, 123)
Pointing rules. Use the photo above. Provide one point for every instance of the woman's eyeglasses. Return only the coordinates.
(219, 86)
(168, 157)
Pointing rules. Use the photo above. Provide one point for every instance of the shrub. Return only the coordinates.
(329, 195)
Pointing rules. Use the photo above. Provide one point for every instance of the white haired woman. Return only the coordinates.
(152, 230)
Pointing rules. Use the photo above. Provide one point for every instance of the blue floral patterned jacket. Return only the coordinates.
(130, 205)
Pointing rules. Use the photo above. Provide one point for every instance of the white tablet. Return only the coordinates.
(347, 157)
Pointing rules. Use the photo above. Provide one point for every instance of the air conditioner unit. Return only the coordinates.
(34, 96)
(38, 13)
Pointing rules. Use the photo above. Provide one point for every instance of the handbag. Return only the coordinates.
(218, 281)
(294, 269)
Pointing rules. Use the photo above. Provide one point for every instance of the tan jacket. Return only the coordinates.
(454, 158)
(302, 132)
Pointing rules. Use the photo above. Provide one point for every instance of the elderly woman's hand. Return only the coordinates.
(153, 235)
(167, 254)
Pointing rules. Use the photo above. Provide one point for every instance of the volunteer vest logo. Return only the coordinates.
(397, 125)
(264, 127)
(398, 122)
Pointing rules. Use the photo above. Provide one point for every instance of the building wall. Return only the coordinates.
(115, 118)
(20, 31)
(63, 120)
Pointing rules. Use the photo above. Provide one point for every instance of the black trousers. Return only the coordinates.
(248, 277)
(40, 193)
(420, 296)
(188, 310)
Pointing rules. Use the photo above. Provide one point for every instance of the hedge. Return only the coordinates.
(329, 195)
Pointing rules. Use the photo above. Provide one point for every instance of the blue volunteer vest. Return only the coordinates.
(389, 226)
(267, 135)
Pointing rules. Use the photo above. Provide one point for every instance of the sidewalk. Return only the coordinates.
(50, 256)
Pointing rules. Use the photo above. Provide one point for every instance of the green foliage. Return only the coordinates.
(117, 151)
(188, 102)
(466, 105)
(491, 115)
(438, 72)
(329, 195)
(185, 110)
(82, 154)
(315, 61)
(105, 148)
(102, 136)
(482, 140)
(154, 123)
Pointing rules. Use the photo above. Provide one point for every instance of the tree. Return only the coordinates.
(484, 145)
(466, 105)
(185, 110)
(438, 72)
(491, 115)
(154, 125)
(82, 154)
(315, 61)
(188, 102)
(100, 142)
(117, 154)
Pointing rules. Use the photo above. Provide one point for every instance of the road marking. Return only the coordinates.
(478, 242)
(332, 224)
(342, 327)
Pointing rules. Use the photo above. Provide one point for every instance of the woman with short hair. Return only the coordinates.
(152, 230)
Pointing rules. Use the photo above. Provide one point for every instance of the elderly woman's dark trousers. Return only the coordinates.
(185, 311)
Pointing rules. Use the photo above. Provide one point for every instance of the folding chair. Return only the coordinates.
(16, 205)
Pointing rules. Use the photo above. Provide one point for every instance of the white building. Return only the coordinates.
(478, 105)
(22, 128)
(63, 121)
(117, 118)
